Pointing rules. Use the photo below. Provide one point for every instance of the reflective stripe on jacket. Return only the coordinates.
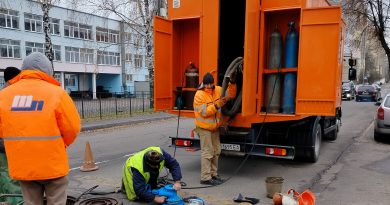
(137, 162)
(206, 114)
(38, 120)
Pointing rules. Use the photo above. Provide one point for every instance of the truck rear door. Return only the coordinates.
(163, 93)
(319, 57)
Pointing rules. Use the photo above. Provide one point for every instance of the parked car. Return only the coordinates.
(382, 120)
(348, 90)
(367, 93)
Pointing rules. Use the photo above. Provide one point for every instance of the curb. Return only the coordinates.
(116, 124)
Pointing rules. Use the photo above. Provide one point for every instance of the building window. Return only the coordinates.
(55, 26)
(34, 47)
(76, 30)
(57, 53)
(101, 34)
(2, 82)
(9, 18)
(138, 40)
(127, 38)
(129, 77)
(108, 58)
(40, 47)
(106, 35)
(137, 61)
(33, 22)
(128, 57)
(9, 48)
(72, 55)
(57, 76)
(86, 55)
(113, 36)
(78, 55)
(70, 79)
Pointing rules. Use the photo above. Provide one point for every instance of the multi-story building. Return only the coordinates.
(91, 53)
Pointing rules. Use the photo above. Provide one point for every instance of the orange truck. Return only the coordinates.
(213, 33)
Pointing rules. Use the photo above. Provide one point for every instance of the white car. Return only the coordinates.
(382, 120)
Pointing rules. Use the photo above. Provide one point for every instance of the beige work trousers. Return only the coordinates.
(54, 190)
(211, 149)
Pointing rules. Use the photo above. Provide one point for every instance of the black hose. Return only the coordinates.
(86, 192)
(235, 66)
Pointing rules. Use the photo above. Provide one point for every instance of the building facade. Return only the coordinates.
(91, 53)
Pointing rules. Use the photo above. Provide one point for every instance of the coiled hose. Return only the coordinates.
(235, 66)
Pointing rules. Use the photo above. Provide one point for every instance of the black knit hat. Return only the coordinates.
(208, 79)
(10, 72)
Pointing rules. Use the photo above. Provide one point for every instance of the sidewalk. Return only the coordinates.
(108, 123)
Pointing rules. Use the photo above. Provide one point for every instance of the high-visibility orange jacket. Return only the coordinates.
(38, 120)
(207, 116)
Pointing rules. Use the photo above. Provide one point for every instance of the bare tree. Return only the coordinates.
(138, 16)
(46, 6)
(374, 14)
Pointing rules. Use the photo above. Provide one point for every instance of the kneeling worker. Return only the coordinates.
(143, 169)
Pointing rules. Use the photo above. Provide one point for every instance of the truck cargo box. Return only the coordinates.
(212, 33)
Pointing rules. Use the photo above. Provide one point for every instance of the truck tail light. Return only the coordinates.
(275, 151)
(183, 143)
(381, 113)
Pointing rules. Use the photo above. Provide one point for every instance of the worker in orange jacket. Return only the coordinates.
(38, 120)
(208, 102)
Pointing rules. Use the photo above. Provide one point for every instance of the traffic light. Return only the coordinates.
(352, 74)
(352, 71)
(352, 62)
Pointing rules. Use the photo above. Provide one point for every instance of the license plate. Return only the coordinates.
(230, 147)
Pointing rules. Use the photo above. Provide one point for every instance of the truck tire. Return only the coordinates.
(314, 142)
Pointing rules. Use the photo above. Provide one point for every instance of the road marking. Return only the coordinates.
(102, 162)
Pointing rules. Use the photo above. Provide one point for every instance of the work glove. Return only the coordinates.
(221, 102)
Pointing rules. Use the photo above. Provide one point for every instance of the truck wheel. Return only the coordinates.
(313, 152)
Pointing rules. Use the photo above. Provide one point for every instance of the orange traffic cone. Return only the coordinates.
(89, 163)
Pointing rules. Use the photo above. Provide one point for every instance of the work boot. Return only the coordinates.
(212, 182)
(218, 178)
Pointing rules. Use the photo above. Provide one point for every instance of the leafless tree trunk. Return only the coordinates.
(46, 5)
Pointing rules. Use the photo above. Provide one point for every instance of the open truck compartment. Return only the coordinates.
(212, 33)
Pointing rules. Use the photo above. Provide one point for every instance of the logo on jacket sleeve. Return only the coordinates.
(26, 103)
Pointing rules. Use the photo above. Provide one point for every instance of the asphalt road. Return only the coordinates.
(354, 169)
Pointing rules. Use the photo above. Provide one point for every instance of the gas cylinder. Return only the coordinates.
(273, 81)
(192, 76)
(291, 61)
(291, 53)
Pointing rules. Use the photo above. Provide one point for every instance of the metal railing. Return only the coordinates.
(111, 105)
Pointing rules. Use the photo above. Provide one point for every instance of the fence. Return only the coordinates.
(110, 105)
